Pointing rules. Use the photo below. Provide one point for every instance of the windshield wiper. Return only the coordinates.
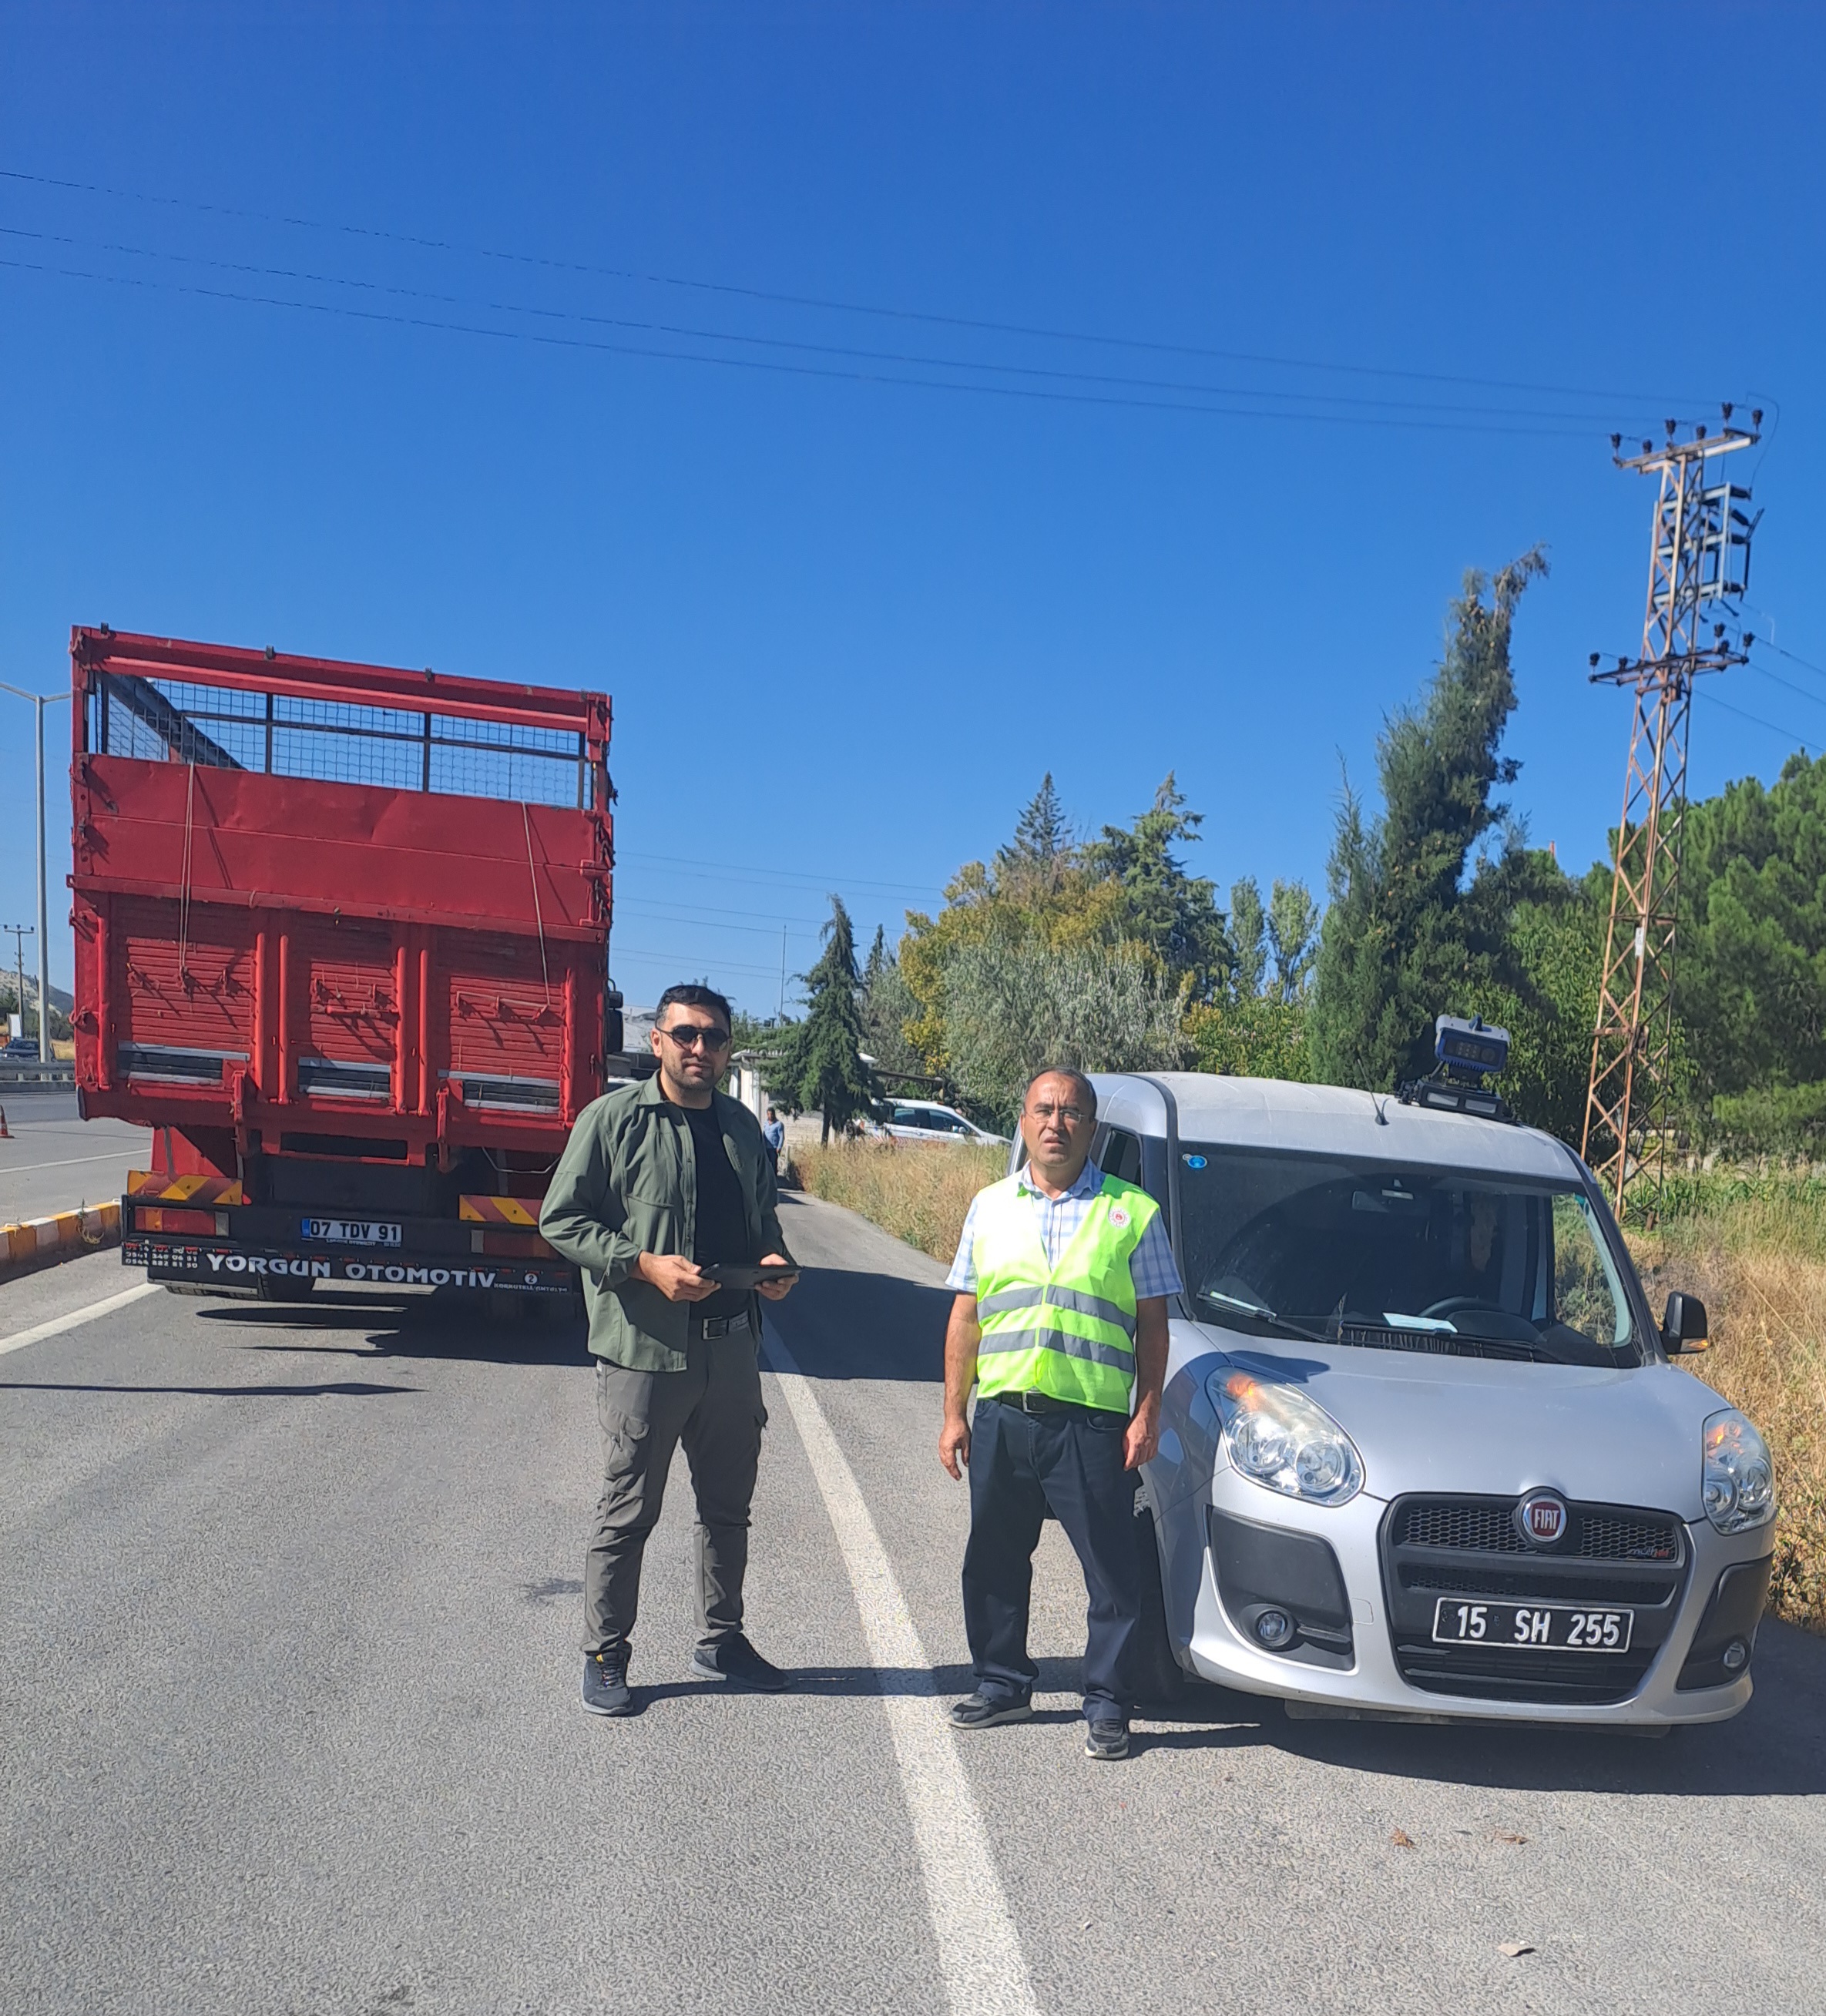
(1284, 1324)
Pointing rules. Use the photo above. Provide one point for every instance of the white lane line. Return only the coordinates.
(74, 1162)
(979, 1950)
(76, 1318)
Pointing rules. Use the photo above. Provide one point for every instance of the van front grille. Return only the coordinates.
(1434, 1546)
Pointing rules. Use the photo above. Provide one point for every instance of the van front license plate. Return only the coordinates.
(351, 1232)
(1531, 1627)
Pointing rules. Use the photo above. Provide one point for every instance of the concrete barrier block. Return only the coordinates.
(35, 1241)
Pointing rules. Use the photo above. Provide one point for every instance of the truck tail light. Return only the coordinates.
(173, 1218)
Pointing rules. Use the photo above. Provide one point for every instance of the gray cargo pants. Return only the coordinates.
(714, 1407)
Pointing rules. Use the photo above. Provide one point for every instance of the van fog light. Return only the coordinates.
(1274, 1628)
(1736, 1656)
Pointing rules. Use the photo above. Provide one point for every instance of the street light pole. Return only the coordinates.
(39, 702)
(20, 934)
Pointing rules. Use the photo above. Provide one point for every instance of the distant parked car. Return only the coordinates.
(924, 1120)
(21, 1047)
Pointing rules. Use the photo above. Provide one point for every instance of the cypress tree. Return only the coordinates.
(820, 1064)
(1406, 936)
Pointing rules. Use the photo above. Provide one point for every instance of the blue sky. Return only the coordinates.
(848, 623)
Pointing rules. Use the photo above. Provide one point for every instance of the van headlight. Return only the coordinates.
(1736, 1480)
(1278, 1437)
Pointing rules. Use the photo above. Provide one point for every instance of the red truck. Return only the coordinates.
(342, 944)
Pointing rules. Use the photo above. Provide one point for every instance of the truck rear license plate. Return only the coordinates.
(1541, 1627)
(351, 1232)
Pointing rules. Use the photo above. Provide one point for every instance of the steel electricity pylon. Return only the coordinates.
(1699, 562)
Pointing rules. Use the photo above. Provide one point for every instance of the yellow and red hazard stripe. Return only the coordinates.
(519, 1219)
(518, 1211)
(199, 1191)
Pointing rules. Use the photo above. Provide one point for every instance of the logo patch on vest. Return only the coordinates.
(1117, 1215)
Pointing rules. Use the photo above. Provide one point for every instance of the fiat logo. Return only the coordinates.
(1540, 1518)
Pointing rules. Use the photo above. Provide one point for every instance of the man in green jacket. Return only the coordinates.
(660, 1183)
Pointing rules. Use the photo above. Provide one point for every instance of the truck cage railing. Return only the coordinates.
(277, 716)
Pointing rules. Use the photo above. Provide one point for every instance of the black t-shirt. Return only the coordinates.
(722, 1222)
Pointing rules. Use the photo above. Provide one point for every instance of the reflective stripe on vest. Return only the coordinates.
(1068, 1330)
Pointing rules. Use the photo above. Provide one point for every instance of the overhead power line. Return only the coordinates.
(1794, 658)
(834, 305)
(1775, 727)
(1762, 671)
(820, 878)
(618, 951)
(693, 332)
(781, 367)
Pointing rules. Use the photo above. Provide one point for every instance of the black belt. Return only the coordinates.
(1030, 1402)
(719, 1326)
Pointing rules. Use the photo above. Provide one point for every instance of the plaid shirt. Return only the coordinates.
(1150, 1266)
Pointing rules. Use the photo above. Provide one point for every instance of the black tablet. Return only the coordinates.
(730, 1275)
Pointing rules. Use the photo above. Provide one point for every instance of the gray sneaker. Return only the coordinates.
(1107, 1738)
(737, 1661)
(981, 1711)
(605, 1683)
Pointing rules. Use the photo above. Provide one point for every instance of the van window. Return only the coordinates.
(1122, 1156)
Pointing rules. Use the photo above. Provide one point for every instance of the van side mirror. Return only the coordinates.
(1684, 1327)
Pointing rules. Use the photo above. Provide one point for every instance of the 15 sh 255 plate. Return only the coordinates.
(351, 1232)
(1539, 1627)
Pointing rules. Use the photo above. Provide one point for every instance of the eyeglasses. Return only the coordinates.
(690, 1035)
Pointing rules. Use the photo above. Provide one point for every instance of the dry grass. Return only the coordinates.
(1757, 1259)
(917, 1190)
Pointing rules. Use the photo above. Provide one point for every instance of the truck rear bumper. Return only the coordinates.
(251, 1245)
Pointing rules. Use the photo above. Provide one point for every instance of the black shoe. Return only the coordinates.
(736, 1661)
(1107, 1738)
(981, 1711)
(605, 1683)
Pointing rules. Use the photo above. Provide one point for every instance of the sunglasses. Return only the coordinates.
(691, 1036)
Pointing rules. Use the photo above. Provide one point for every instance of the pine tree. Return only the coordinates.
(820, 1063)
(1035, 861)
(1406, 937)
(1174, 914)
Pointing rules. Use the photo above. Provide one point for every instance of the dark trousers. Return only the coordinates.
(1021, 1466)
(714, 1407)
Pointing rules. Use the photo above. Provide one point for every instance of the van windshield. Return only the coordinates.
(1392, 1258)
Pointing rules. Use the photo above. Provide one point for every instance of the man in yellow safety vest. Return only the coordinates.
(1062, 1277)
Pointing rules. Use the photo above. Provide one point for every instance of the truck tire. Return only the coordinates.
(1155, 1673)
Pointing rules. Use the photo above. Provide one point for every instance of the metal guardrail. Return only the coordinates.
(28, 1071)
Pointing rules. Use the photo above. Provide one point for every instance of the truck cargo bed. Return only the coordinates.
(341, 940)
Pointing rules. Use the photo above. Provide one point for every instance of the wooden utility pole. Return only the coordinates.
(1699, 562)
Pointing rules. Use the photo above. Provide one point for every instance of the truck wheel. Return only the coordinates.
(1156, 1675)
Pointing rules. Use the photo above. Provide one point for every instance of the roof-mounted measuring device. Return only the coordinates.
(1469, 1054)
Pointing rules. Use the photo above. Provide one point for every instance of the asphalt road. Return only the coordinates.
(54, 1161)
(288, 1722)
